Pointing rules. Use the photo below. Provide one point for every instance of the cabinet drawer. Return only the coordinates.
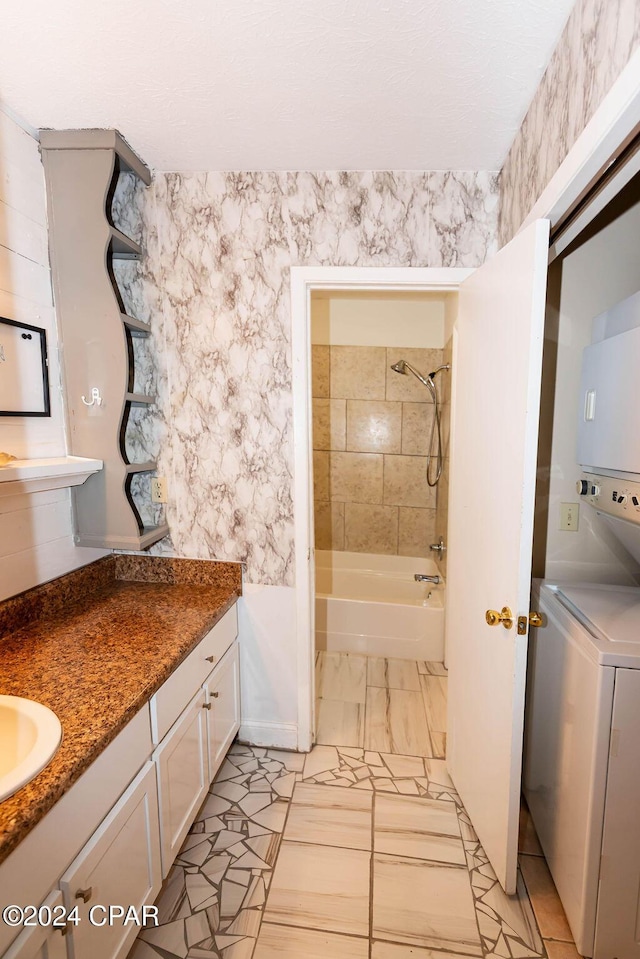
(180, 687)
(41, 942)
(120, 865)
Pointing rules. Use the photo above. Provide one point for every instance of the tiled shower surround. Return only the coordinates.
(215, 287)
(371, 429)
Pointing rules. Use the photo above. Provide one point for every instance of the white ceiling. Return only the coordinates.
(284, 84)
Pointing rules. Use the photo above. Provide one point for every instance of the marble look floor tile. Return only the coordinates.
(392, 673)
(289, 942)
(395, 722)
(290, 760)
(320, 887)
(331, 817)
(403, 766)
(427, 668)
(339, 723)
(498, 913)
(544, 898)
(434, 692)
(321, 759)
(393, 950)
(528, 842)
(438, 744)
(424, 904)
(438, 775)
(418, 828)
(343, 677)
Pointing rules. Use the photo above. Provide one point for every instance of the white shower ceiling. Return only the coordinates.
(284, 84)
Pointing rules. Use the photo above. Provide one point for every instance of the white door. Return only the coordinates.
(495, 413)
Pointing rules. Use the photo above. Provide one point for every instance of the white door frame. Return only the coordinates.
(613, 121)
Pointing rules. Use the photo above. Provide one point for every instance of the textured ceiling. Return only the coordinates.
(284, 84)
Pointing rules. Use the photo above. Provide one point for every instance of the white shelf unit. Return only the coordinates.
(81, 169)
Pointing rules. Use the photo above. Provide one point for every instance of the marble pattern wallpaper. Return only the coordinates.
(596, 45)
(214, 284)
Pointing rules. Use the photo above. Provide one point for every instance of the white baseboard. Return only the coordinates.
(273, 735)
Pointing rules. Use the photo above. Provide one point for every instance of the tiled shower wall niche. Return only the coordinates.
(371, 430)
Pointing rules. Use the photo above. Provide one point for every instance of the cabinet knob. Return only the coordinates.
(210, 659)
(84, 894)
(206, 705)
(214, 695)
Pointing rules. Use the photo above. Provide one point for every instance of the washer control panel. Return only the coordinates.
(616, 497)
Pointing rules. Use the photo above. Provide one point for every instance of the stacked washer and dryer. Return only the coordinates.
(582, 750)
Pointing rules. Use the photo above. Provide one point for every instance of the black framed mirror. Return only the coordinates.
(24, 370)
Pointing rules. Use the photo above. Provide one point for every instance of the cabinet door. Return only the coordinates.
(42, 941)
(181, 759)
(119, 866)
(223, 694)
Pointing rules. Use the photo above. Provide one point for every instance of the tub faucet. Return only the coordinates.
(423, 578)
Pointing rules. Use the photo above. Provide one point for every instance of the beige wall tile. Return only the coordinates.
(444, 386)
(405, 482)
(416, 531)
(370, 529)
(374, 426)
(407, 388)
(445, 428)
(329, 424)
(320, 476)
(355, 477)
(417, 419)
(442, 514)
(320, 368)
(329, 525)
(358, 372)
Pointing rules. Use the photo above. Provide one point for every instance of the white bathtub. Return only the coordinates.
(371, 604)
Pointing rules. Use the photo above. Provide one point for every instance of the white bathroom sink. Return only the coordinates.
(30, 734)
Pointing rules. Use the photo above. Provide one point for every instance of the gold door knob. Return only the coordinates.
(505, 616)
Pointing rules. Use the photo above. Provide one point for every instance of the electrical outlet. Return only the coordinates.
(569, 513)
(158, 489)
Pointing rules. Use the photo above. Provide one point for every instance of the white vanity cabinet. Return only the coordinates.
(183, 777)
(42, 941)
(120, 865)
(222, 691)
(112, 838)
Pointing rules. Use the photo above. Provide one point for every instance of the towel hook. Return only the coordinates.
(95, 398)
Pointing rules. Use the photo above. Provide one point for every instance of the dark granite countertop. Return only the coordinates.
(94, 646)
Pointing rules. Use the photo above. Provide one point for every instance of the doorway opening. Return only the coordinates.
(341, 519)
(380, 372)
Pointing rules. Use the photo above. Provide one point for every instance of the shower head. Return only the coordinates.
(403, 367)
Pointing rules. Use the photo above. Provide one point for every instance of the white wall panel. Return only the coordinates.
(36, 532)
